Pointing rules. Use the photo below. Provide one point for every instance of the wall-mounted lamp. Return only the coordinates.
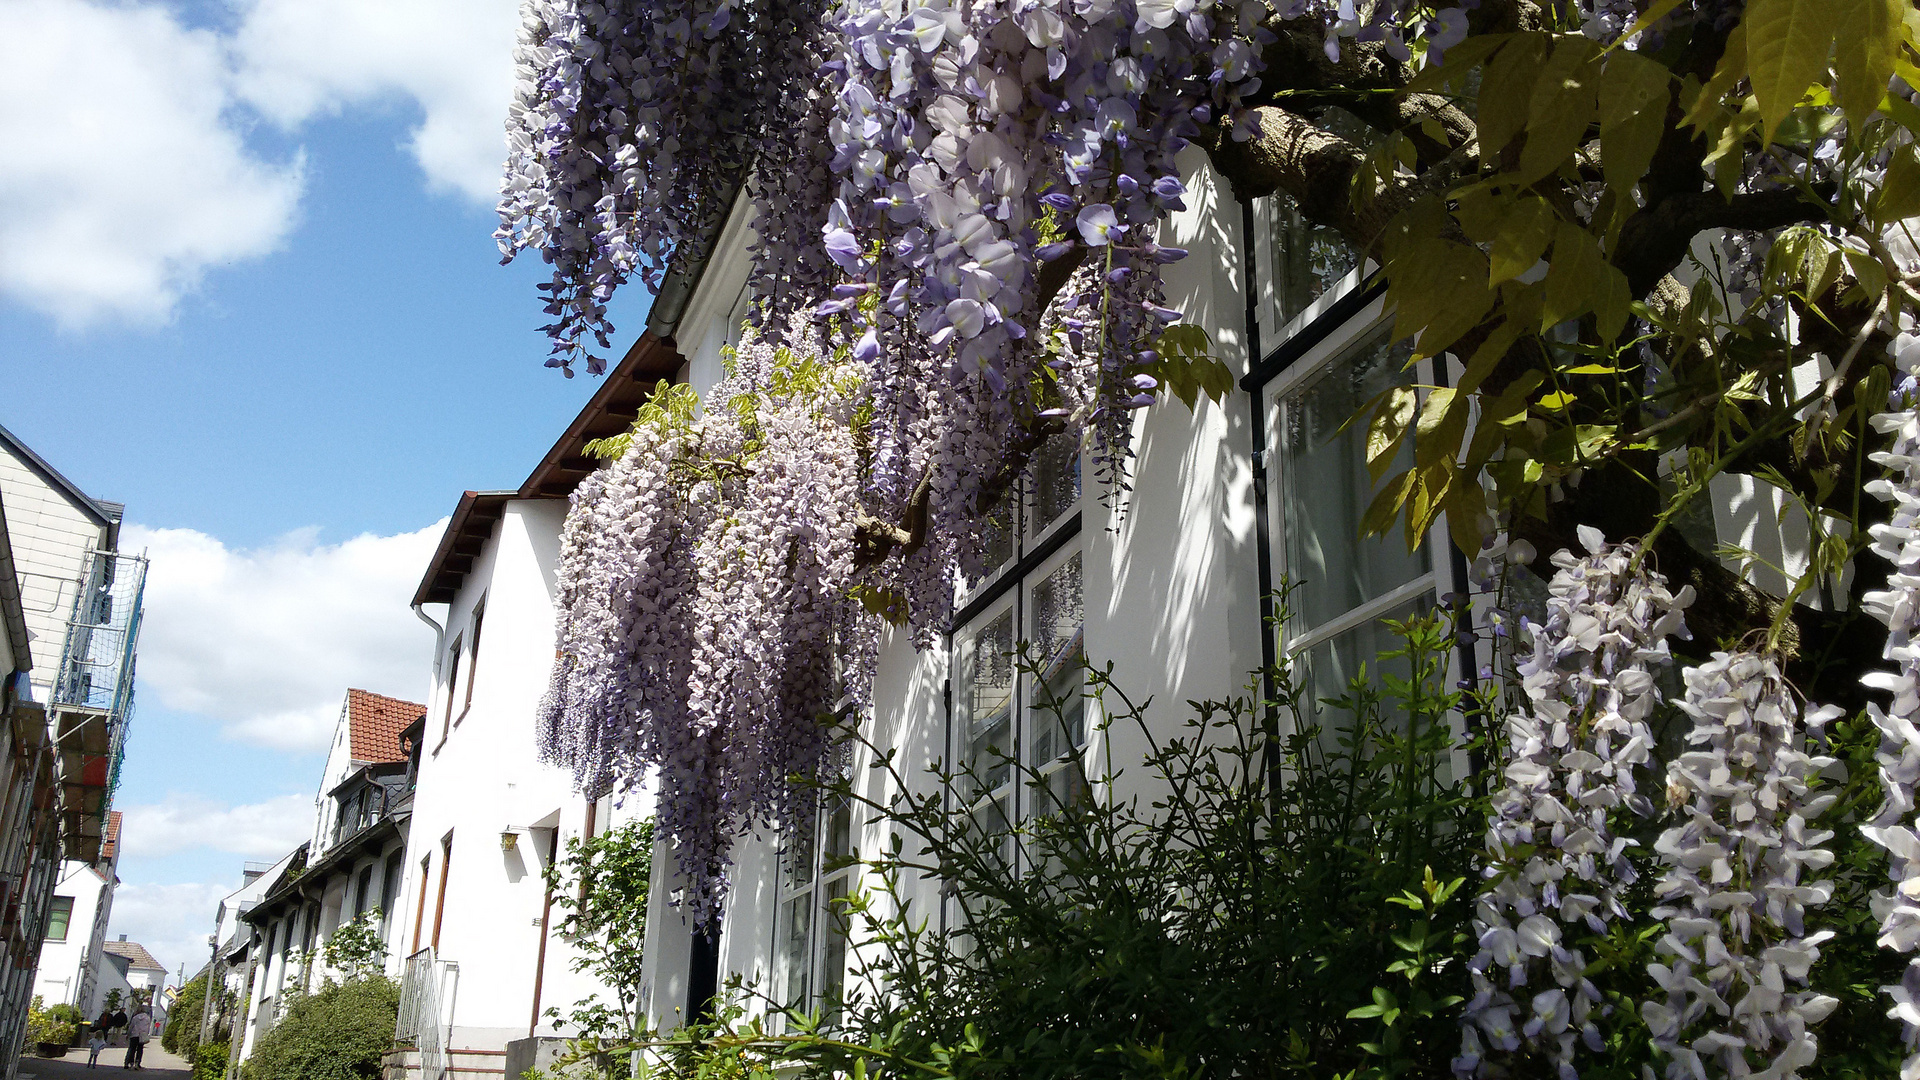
(509, 838)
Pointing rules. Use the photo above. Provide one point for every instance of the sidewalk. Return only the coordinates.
(160, 1065)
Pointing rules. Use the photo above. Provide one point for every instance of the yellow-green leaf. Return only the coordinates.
(1562, 106)
(1392, 419)
(1580, 280)
(1787, 46)
(1520, 238)
(1505, 91)
(1634, 96)
(1438, 289)
(1867, 43)
(1557, 401)
(1386, 505)
(1900, 194)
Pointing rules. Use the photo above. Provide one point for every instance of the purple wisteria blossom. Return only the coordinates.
(1554, 861)
(1735, 892)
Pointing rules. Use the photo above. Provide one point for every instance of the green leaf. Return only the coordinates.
(1580, 280)
(1900, 193)
(1438, 288)
(1634, 95)
(1520, 238)
(1505, 91)
(1562, 105)
(1557, 401)
(1391, 422)
(1787, 46)
(1867, 43)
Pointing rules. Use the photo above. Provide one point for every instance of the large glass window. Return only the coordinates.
(1343, 584)
(816, 875)
(59, 914)
(1296, 261)
(1035, 715)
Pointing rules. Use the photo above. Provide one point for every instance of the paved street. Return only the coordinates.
(159, 1064)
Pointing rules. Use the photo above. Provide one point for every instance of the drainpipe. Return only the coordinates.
(439, 639)
(1263, 542)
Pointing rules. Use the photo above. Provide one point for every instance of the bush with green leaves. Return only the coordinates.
(336, 1033)
(600, 886)
(182, 1033)
(1278, 902)
(50, 1025)
(210, 1060)
(355, 949)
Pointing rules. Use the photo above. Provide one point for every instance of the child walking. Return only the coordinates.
(96, 1043)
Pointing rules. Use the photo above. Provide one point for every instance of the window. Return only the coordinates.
(1299, 262)
(999, 713)
(473, 657)
(453, 683)
(440, 903)
(390, 889)
(420, 904)
(363, 890)
(1343, 585)
(59, 914)
(810, 928)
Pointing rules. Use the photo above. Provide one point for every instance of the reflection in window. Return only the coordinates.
(1326, 489)
(811, 931)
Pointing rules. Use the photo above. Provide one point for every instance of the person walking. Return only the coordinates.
(139, 1029)
(96, 1043)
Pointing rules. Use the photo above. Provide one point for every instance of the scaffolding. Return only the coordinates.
(92, 701)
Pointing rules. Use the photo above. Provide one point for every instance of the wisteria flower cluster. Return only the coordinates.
(631, 127)
(1554, 859)
(1734, 891)
(1894, 827)
(707, 597)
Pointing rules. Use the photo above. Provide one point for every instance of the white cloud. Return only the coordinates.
(300, 58)
(267, 641)
(172, 921)
(184, 822)
(127, 174)
(123, 178)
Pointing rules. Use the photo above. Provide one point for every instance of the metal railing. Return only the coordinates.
(427, 989)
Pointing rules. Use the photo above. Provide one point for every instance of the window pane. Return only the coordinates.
(1323, 672)
(998, 535)
(1057, 713)
(1303, 260)
(839, 833)
(59, 914)
(796, 919)
(984, 701)
(833, 949)
(1056, 482)
(1326, 489)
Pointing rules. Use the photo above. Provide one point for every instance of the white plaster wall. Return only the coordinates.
(50, 538)
(486, 778)
(62, 975)
(1171, 590)
(339, 764)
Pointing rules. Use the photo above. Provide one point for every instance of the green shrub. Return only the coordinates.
(48, 1025)
(182, 1033)
(209, 1060)
(338, 1033)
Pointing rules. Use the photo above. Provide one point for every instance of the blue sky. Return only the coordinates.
(268, 316)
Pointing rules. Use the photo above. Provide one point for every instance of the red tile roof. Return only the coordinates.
(135, 952)
(374, 724)
(112, 839)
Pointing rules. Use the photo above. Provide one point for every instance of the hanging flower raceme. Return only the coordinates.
(708, 575)
(631, 127)
(1735, 892)
(1894, 827)
(1554, 860)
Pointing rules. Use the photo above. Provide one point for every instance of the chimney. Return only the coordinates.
(123, 937)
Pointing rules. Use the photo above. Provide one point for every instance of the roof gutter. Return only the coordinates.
(681, 281)
(13, 614)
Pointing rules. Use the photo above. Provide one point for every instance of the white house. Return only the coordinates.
(79, 607)
(129, 968)
(351, 867)
(477, 923)
(71, 969)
